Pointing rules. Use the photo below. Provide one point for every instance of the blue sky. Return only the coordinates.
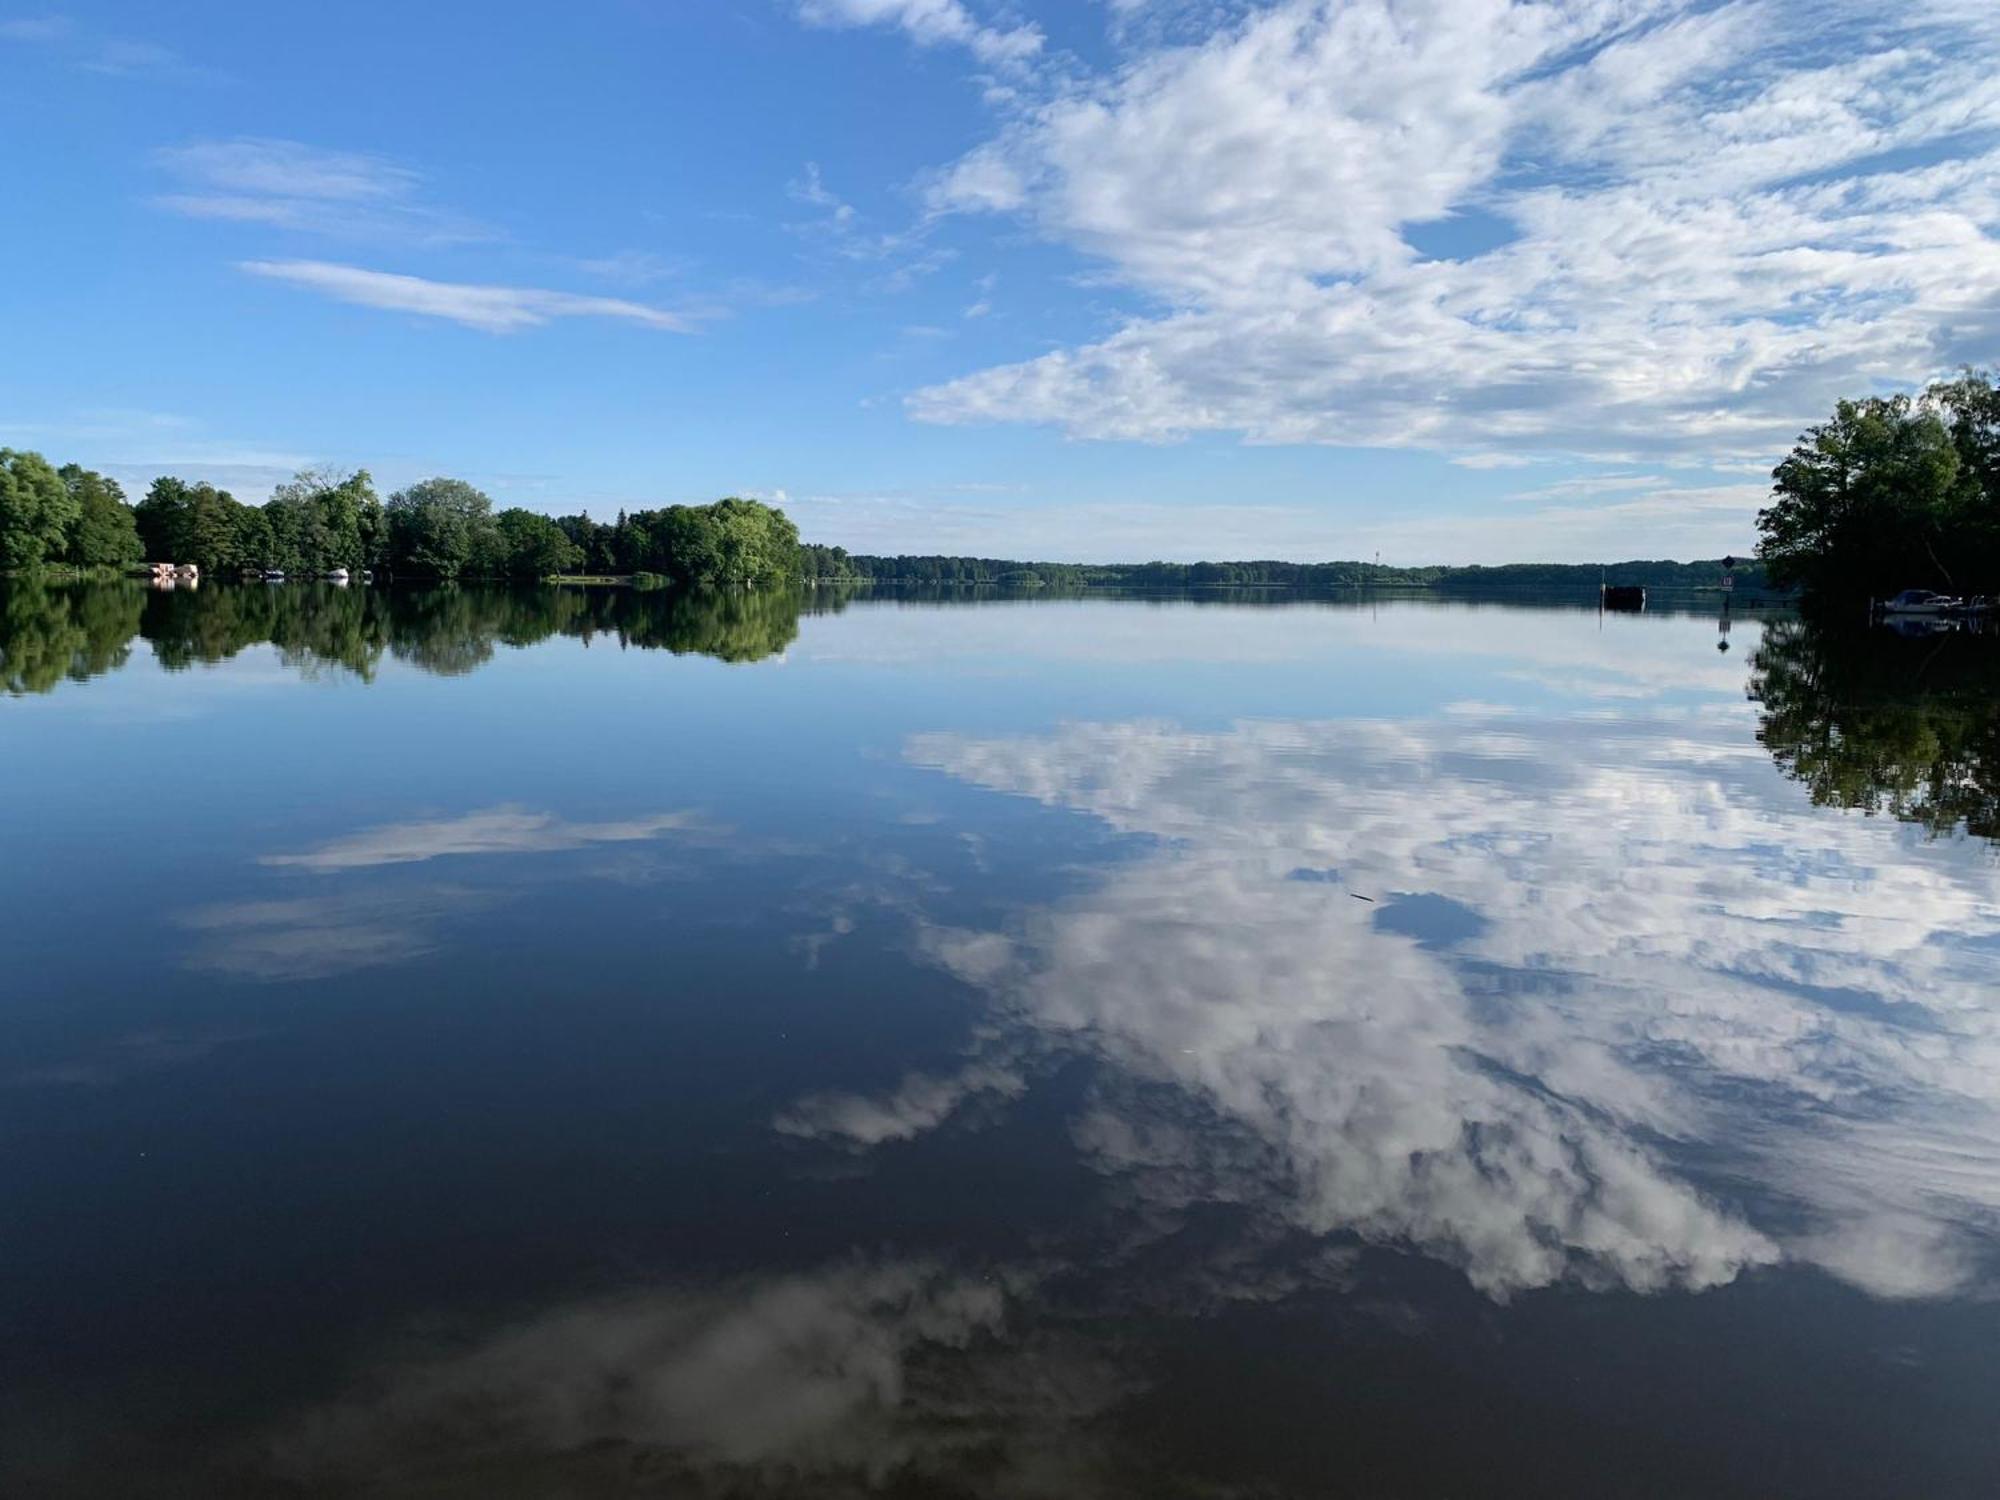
(1453, 280)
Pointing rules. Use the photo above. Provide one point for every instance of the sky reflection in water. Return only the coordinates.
(1012, 1048)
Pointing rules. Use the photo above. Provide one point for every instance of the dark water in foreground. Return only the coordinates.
(466, 1044)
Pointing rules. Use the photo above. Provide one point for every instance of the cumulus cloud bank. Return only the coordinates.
(1604, 227)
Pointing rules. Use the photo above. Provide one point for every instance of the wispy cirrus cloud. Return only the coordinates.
(933, 23)
(92, 52)
(295, 186)
(491, 309)
(122, 57)
(35, 29)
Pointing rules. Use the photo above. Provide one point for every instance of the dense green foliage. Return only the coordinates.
(730, 543)
(1872, 720)
(314, 522)
(319, 520)
(104, 533)
(535, 546)
(1894, 492)
(37, 511)
(442, 528)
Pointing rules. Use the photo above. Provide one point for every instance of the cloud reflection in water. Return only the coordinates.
(1662, 955)
(493, 830)
(829, 1381)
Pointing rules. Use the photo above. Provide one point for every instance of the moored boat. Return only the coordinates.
(1919, 602)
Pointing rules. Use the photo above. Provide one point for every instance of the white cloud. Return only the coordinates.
(931, 23)
(290, 185)
(634, 267)
(494, 309)
(841, 228)
(121, 58)
(288, 169)
(110, 56)
(35, 29)
(1723, 218)
(497, 830)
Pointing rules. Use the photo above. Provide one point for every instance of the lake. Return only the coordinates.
(472, 1043)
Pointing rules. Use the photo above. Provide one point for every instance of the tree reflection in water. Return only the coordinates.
(1884, 722)
(50, 634)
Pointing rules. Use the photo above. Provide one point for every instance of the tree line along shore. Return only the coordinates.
(1893, 492)
(73, 518)
(439, 529)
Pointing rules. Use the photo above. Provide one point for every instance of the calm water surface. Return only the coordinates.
(466, 1044)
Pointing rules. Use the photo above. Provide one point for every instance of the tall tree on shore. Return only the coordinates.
(440, 528)
(36, 510)
(104, 533)
(327, 519)
(1893, 491)
(162, 519)
(199, 524)
(534, 546)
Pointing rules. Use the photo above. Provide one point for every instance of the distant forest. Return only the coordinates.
(833, 565)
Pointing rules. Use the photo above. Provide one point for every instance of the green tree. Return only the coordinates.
(212, 534)
(104, 534)
(326, 519)
(1894, 491)
(1970, 409)
(440, 528)
(534, 546)
(162, 520)
(37, 511)
(254, 545)
(593, 542)
(731, 544)
(196, 523)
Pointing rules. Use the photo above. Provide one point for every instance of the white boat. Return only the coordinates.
(274, 575)
(336, 575)
(1919, 602)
